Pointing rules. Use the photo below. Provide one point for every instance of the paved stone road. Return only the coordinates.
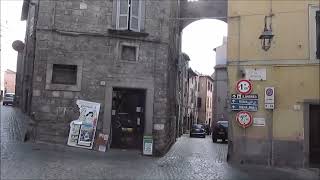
(189, 158)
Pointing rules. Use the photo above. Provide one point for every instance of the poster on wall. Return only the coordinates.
(82, 131)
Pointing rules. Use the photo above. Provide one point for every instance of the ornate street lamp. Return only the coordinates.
(266, 35)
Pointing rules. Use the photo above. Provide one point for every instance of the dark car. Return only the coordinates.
(8, 99)
(197, 130)
(220, 131)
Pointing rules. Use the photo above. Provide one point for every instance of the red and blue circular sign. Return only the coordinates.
(244, 86)
(244, 119)
(269, 92)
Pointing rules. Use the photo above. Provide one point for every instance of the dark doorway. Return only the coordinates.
(128, 107)
(315, 135)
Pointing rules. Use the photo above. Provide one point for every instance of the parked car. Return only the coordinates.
(197, 130)
(220, 131)
(8, 99)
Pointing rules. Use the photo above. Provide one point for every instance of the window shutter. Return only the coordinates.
(122, 14)
(135, 15)
(318, 33)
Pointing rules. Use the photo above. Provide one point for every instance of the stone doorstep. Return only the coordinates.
(60, 148)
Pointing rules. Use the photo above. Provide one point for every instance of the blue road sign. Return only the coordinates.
(241, 107)
(242, 96)
(253, 102)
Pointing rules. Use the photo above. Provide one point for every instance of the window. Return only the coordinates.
(314, 30)
(128, 15)
(64, 74)
(199, 102)
(129, 53)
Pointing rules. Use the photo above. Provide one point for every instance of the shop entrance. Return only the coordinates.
(315, 134)
(128, 108)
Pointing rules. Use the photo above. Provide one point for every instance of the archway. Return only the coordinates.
(201, 41)
(193, 10)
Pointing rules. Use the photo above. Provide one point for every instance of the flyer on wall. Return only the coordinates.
(82, 131)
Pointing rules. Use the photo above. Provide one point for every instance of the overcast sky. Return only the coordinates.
(198, 39)
(12, 28)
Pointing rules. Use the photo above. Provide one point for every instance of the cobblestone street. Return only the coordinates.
(189, 158)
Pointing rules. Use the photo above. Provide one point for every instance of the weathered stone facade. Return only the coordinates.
(84, 34)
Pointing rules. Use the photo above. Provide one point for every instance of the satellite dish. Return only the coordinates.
(18, 45)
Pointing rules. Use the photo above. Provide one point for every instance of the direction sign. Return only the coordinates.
(245, 101)
(244, 86)
(244, 119)
(242, 96)
(240, 107)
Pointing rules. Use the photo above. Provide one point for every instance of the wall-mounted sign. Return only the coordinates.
(245, 101)
(269, 97)
(259, 121)
(244, 86)
(256, 74)
(242, 96)
(244, 119)
(240, 107)
(242, 102)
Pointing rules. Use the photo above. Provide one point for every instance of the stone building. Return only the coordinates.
(193, 90)
(9, 79)
(288, 132)
(220, 84)
(205, 99)
(122, 54)
(182, 93)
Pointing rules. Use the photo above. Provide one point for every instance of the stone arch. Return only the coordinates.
(191, 11)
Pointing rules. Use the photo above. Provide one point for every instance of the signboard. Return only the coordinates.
(82, 131)
(244, 86)
(147, 145)
(245, 101)
(256, 74)
(269, 97)
(101, 142)
(244, 119)
(240, 107)
(242, 96)
(259, 121)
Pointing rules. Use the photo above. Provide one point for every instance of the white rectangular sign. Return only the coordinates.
(269, 106)
(269, 95)
(256, 74)
(259, 121)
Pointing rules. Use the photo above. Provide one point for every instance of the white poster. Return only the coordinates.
(82, 130)
(256, 74)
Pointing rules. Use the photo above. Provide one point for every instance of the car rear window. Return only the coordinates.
(197, 126)
(223, 123)
(9, 95)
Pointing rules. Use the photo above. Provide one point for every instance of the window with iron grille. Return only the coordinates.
(64, 74)
(129, 53)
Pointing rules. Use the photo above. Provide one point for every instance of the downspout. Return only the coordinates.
(34, 50)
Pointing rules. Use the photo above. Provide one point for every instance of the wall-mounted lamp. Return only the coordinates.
(266, 35)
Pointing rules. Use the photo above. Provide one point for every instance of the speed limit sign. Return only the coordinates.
(244, 86)
(244, 119)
